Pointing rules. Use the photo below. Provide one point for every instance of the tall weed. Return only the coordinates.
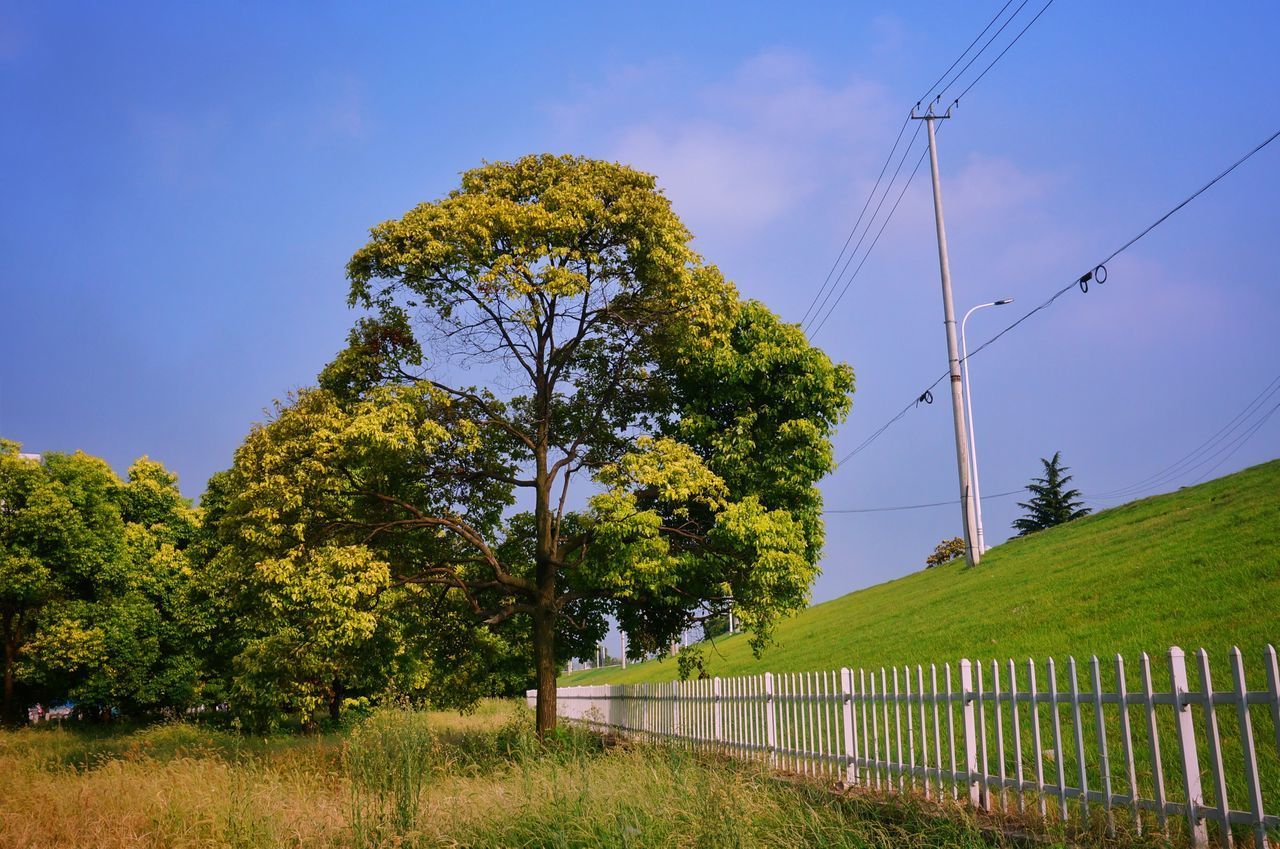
(388, 759)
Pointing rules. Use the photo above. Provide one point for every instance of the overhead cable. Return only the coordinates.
(1098, 274)
(1190, 461)
(1239, 443)
(953, 502)
(946, 87)
(829, 285)
(993, 62)
(928, 94)
(822, 290)
(813, 331)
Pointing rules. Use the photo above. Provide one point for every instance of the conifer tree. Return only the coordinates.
(1051, 503)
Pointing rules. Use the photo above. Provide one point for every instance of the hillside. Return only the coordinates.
(1199, 567)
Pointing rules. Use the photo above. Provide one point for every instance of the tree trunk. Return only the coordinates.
(335, 702)
(9, 710)
(545, 612)
(544, 659)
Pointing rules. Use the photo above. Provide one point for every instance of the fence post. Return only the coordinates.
(717, 712)
(1187, 744)
(1253, 782)
(846, 697)
(770, 720)
(675, 711)
(644, 715)
(970, 732)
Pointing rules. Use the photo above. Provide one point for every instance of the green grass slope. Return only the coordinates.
(1199, 567)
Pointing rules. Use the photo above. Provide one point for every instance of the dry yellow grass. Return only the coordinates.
(404, 780)
(183, 802)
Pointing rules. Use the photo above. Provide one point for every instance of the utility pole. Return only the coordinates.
(622, 643)
(972, 554)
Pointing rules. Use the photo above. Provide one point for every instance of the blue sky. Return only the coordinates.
(183, 185)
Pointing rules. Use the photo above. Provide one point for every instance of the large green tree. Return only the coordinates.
(314, 607)
(554, 412)
(93, 584)
(1052, 503)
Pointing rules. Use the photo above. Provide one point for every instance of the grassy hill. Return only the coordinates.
(1199, 567)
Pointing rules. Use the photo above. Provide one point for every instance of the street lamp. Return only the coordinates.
(968, 394)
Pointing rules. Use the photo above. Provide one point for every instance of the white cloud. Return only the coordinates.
(770, 162)
(993, 186)
(737, 154)
(715, 175)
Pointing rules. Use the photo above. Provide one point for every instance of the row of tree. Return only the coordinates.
(553, 413)
(121, 597)
(96, 597)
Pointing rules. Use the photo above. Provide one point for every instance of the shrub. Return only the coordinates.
(947, 550)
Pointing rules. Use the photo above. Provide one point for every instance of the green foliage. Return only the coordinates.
(605, 353)
(945, 552)
(94, 574)
(314, 613)
(716, 626)
(1052, 503)
(691, 663)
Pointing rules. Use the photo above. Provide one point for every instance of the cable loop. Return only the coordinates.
(925, 398)
(1083, 283)
(1100, 274)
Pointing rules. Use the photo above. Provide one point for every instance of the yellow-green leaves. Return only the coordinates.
(331, 510)
(552, 225)
(296, 470)
(333, 586)
(670, 471)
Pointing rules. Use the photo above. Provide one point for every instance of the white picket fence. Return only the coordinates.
(1054, 748)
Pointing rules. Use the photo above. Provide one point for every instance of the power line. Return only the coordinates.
(983, 50)
(1228, 449)
(1194, 195)
(820, 298)
(1239, 443)
(1189, 462)
(950, 503)
(993, 62)
(928, 93)
(925, 397)
(813, 331)
(1097, 275)
(1233, 446)
(870, 197)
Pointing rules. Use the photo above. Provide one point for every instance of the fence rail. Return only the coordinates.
(1140, 746)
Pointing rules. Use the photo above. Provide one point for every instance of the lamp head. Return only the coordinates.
(1003, 301)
